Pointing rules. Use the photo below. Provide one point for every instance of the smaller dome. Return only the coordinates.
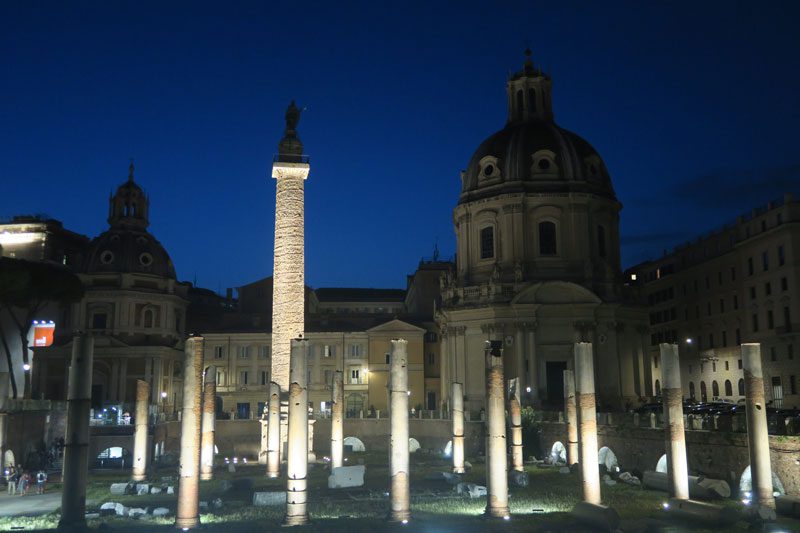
(126, 250)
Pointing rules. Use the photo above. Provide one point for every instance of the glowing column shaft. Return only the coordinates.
(515, 419)
(208, 425)
(140, 431)
(288, 286)
(297, 452)
(496, 460)
(274, 431)
(398, 413)
(571, 417)
(757, 434)
(587, 416)
(76, 449)
(457, 412)
(188, 514)
(672, 392)
(337, 421)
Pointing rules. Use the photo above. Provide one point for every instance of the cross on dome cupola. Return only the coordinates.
(529, 93)
(129, 207)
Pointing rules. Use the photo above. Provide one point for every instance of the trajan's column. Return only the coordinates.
(290, 169)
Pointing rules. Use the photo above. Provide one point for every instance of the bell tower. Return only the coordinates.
(130, 206)
(529, 93)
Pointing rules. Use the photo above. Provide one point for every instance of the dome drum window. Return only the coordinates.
(107, 257)
(487, 242)
(489, 169)
(145, 259)
(544, 163)
(548, 239)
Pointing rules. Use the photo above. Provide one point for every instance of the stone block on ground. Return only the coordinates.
(231, 468)
(268, 499)
(108, 508)
(136, 512)
(225, 485)
(467, 465)
(216, 504)
(471, 489)
(155, 490)
(89, 516)
(203, 506)
(170, 490)
(519, 479)
(564, 470)
(630, 479)
(120, 509)
(347, 476)
(160, 511)
(119, 488)
(142, 489)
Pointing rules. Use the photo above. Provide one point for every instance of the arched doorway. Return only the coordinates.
(703, 393)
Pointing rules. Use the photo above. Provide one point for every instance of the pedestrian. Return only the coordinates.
(41, 480)
(11, 479)
(24, 481)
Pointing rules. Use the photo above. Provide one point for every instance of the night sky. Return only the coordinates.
(693, 106)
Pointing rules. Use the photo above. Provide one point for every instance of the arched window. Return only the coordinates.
(133, 210)
(658, 388)
(715, 389)
(532, 100)
(520, 102)
(703, 394)
(487, 242)
(728, 388)
(547, 238)
(125, 210)
(741, 387)
(148, 318)
(691, 390)
(601, 241)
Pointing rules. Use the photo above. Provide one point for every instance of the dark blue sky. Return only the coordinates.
(693, 106)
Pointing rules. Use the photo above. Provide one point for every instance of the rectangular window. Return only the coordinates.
(773, 355)
(738, 338)
(708, 308)
(220, 378)
(243, 377)
(787, 319)
(243, 411)
(487, 243)
(722, 305)
(768, 288)
(354, 376)
(725, 342)
(263, 351)
(708, 283)
(713, 366)
(329, 378)
(770, 320)
(244, 352)
(739, 364)
(792, 385)
(727, 366)
(784, 284)
(781, 256)
(790, 352)
(736, 301)
(430, 359)
(752, 293)
(755, 322)
(99, 320)
(264, 377)
(547, 239)
(733, 273)
(765, 261)
(719, 277)
(750, 266)
(326, 351)
(219, 352)
(711, 345)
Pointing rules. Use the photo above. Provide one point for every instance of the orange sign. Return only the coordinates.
(43, 334)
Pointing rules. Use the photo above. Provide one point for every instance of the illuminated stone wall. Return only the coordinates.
(288, 297)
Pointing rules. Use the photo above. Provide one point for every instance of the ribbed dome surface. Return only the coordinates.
(128, 250)
(511, 160)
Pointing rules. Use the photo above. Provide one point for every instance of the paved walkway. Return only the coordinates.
(30, 504)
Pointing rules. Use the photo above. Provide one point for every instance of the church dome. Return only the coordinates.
(127, 246)
(126, 250)
(532, 153)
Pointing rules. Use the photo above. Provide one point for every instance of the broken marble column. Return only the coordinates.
(571, 417)
(757, 435)
(274, 431)
(496, 460)
(140, 431)
(587, 422)
(337, 421)
(672, 392)
(297, 452)
(188, 513)
(457, 412)
(76, 441)
(400, 493)
(208, 425)
(515, 419)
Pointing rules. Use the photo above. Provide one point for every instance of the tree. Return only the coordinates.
(26, 287)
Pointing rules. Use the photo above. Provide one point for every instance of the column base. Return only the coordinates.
(206, 477)
(459, 470)
(187, 523)
(296, 520)
(399, 516)
(138, 477)
(497, 512)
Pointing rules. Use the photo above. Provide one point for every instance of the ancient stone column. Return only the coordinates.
(398, 424)
(337, 421)
(515, 423)
(672, 392)
(297, 452)
(188, 514)
(208, 425)
(140, 431)
(290, 169)
(4, 385)
(457, 412)
(274, 431)
(571, 417)
(757, 435)
(76, 449)
(587, 422)
(496, 460)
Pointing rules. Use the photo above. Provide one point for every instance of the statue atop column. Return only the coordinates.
(291, 145)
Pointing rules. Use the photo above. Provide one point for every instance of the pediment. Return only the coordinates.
(395, 325)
